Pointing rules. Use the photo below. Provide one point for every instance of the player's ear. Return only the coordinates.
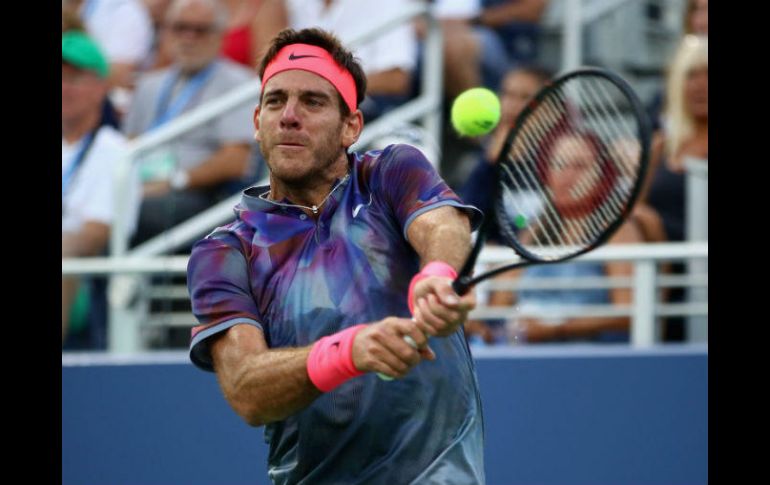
(352, 128)
(256, 123)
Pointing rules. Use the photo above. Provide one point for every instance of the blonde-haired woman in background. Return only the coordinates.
(684, 134)
(686, 116)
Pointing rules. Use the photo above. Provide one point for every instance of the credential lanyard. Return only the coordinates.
(85, 144)
(166, 110)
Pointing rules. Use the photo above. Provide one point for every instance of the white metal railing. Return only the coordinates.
(644, 282)
(697, 229)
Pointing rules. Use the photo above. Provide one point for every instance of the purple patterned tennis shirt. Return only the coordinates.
(299, 280)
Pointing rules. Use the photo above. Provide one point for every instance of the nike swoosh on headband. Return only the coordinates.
(292, 57)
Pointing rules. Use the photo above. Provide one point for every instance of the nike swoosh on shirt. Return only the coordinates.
(292, 57)
(359, 206)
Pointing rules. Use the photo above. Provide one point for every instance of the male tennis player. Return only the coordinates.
(309, 294)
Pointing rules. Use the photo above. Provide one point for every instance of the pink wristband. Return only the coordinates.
(434, 268)
(330, 362)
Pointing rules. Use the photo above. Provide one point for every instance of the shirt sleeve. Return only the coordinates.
(219, 287)
(411, 185)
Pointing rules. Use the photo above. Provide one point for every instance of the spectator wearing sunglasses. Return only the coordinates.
(210, 162)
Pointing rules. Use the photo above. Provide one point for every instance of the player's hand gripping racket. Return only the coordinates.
(569, 172)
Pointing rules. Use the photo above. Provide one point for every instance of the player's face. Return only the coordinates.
(300, 130)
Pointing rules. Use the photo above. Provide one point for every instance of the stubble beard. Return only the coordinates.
(322, 159)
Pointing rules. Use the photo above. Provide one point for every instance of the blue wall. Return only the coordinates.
(566, 415)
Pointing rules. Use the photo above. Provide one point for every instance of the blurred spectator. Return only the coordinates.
(518, 24)
(388, 59)
(684, 133)
(251, 26)
(210, 162)
(518, 87)
(483, 39)
(90, 151)
(158, 55)
(70, 19)
(545, 316)
(696, 19)
(123, 30)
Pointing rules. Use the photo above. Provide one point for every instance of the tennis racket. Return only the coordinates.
(569, 173)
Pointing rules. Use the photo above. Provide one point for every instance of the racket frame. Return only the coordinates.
(465, 280)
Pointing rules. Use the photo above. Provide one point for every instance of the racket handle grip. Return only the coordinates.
(408, 340)
(461, 285)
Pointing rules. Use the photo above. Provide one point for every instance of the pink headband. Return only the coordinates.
(318, 61)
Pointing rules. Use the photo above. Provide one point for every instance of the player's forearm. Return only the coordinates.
(271, 385)
(443, 234)
(262, 385)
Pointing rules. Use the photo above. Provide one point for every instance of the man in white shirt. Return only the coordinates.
(90, 152)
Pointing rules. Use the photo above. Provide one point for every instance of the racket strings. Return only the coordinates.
(621, 146)
(549, 219)
(582, 115)
(550, 229)
(622, 131)
(545, 125)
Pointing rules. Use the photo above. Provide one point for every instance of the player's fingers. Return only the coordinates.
(419, 340)
(427, 316)
(447, 295)
(468, 301)
(438, 309)
(416, 335)
(427, 353)
(394, 342)
(424, 326)
(385, 358)
(386, 370)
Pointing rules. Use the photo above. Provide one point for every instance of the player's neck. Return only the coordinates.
(307, 196)
(74, 130)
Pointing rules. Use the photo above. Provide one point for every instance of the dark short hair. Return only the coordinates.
(328, 42)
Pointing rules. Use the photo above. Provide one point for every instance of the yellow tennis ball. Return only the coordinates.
(475, 112)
